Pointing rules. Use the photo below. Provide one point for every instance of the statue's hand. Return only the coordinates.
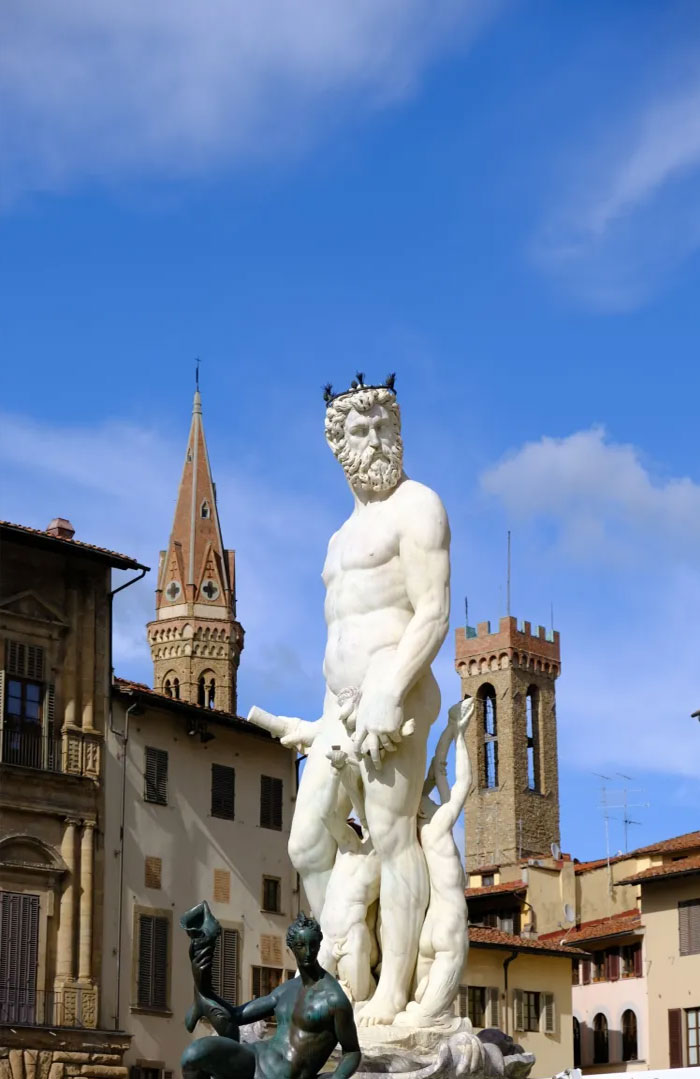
(337, 758)
(201, 957)
(379, 725)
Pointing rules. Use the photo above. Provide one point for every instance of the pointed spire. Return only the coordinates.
(195, 593)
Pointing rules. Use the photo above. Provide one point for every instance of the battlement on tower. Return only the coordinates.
(509, 646)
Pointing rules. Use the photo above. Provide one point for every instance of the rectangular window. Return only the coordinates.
(156, 776)
(689, 926)
(19, 933)
(476, 1006)
(487, 879)
(271, 803)
(272, 894)
(531, 1010)
(265, 979)
(599, 966)
(692, 1036)
(152, 974)
(225, 965)
(631, 960)
(223, 791)
(26, 660)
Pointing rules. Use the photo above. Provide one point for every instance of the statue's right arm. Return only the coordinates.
(447, 814)
(260, 1008)
(292, 732)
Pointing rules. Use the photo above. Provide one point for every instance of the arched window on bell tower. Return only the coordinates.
(201, 692)
(211, 693)
(487, 696)
(532, 733)
(176, 688)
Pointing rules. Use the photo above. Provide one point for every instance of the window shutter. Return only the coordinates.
(586, 971)
(463, 1001)
(156, 776)
(53, 758)
(271, 803)
(223, 791)
(689, 926)
(518, 1011)
(224, 968)
(675, 1037)
(152, 981)
(492, 1014)
(612, 962)
(19, 933)
(637, 960)
(25, 660)
(549, 1013)
(257, 982)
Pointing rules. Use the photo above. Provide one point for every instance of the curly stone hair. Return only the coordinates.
(302, 921)
(361, 400)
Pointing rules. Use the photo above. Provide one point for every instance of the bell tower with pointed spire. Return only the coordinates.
(195, 639)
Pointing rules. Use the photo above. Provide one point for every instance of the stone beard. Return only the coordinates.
(372, 469)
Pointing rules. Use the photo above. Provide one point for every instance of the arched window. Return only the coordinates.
(204, 510)
(487, 696)
(211, 693)
(532, 728)
(201, 693)
(629, 1036)
(167, 688)
(577, 1043)
(176, 688)
(600, 1039)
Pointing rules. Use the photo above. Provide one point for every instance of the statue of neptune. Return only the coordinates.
(387, 576)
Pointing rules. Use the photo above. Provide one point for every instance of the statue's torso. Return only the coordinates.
(305, 1035)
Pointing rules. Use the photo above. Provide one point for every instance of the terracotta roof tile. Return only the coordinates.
(496, 938)
(628, 921)
(599, 863)
(670, 869)
(506, 886)
(211, 715)
(119, 561)
(676, 843)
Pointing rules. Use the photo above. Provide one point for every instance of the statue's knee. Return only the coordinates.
(193, 1056)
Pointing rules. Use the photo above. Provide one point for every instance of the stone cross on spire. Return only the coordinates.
(195, 639)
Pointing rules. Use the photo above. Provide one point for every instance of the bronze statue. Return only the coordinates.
(312, 1012)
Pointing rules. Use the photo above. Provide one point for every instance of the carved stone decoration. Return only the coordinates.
(91, 757)
(73, 753)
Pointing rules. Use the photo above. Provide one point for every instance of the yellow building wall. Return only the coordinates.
(597, 895)
(540, 973)
(674, 979)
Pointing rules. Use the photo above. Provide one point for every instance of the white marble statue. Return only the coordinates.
(442, 949)
(387, 612)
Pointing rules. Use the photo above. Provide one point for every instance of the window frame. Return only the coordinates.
(154, 1007)
(277, 882)
(219, 808)
(152, 789)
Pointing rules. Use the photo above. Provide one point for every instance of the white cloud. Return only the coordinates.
(631, 213)
(169, 86)
(598, 494)
(622, 550)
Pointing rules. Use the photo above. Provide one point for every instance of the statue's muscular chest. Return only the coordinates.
(367, 541)
(312, 1010)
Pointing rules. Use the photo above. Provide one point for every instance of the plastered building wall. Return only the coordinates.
(551, 974)
(198, 854)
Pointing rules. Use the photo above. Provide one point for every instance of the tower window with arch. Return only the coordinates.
(171, 685)
(532, 734)
(487, 697)
(206, 690)
(205, 509)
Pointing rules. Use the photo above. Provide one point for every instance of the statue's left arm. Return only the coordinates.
(446, 816)
(424, 554)
(346, 1033)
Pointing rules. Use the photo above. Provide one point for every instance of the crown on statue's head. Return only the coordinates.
(358, 383)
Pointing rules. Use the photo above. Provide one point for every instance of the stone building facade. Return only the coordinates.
(195, 639)
(512, 810)
(55, 618)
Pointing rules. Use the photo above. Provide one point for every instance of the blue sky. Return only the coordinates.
(499, 201)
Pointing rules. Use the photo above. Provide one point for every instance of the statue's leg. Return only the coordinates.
(391, 801)
(354, 964)
(312, 848)
(220, 1058)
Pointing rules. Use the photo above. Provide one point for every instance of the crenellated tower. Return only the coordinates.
(195, 639)
(512, 810)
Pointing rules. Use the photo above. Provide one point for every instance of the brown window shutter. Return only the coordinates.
(224, 969)
(223, 791)
(689, 926)
(271, 803)
(257, 982)
(152, 980)
(19, 934)
(586, 971)
(637, 960)
(612, 960)
(675, 1037)
(156, 776)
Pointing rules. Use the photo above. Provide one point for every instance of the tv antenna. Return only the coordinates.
(627, 805)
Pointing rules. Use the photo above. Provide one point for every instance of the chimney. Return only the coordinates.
(61, 528)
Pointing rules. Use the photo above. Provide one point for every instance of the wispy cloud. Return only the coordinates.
(126, 87)
(631, 212)
(622, 545)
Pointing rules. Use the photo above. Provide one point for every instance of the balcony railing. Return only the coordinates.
(53, 1008)
(31, 749)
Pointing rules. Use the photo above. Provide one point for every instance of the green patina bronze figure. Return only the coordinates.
(312, 1012)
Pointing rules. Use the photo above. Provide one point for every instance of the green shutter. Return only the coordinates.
(156, 776)
(493, 1007)
(152, 980)
(518, 1012)
(549, 1013)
